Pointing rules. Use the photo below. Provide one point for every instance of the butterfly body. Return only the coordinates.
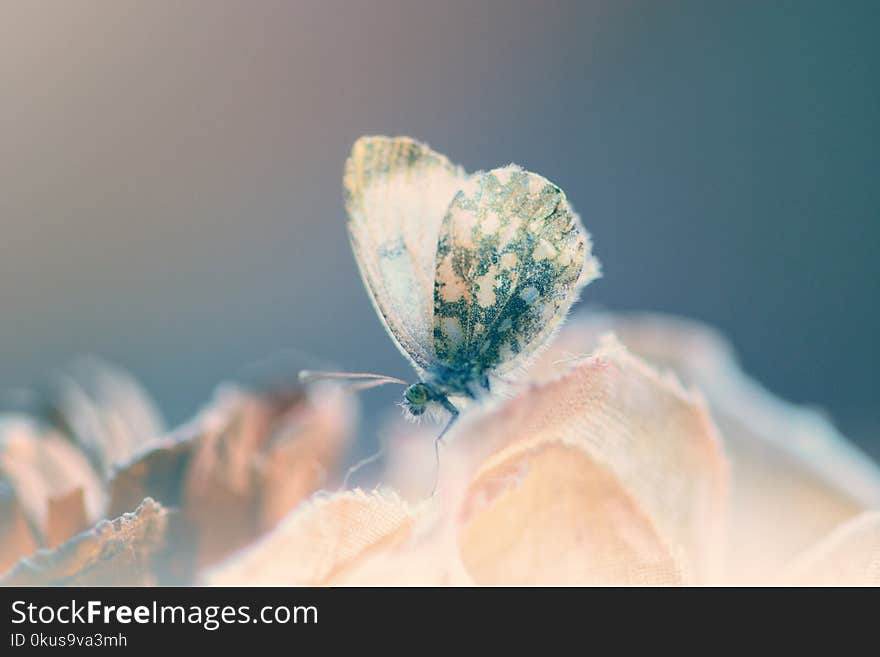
(442, 385)
(470, 273)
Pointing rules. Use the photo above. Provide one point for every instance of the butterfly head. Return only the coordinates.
(430, 398)
(416, 399)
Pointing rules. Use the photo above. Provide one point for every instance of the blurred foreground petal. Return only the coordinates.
(16, 536)
(114, 553)
(42, 467)
(105, 411)
(67, 517)
(240, 466)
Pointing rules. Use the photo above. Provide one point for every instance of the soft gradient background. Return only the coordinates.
(170, 174)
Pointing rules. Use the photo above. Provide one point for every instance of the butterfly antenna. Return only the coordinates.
(366, 385)
(309, 376)
(437, 442)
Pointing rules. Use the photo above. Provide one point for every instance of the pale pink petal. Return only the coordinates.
(849, 556)
(321, 541)
(240, 466)
(40, 465)
(794, 478)
(609, 473)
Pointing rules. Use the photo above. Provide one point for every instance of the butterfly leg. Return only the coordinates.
(363, 463)
(452, 409)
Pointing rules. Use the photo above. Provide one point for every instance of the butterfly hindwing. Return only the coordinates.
(397, 191)
(511, 259)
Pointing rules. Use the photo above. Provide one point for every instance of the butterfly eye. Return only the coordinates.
(416, 395)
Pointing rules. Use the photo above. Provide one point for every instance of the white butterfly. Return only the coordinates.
(470, 274)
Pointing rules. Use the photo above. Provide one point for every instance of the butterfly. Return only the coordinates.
(471, 274)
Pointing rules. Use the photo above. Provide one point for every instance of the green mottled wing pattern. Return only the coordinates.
(397, 191)
(511, 259)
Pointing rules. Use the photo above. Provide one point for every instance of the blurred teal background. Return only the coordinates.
(170, 174)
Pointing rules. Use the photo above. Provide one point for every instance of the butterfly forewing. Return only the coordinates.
(396, 193)
(511, 258)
